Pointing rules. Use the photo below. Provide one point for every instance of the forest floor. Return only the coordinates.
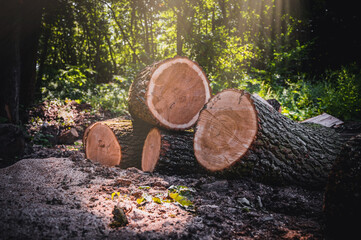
(55, 193)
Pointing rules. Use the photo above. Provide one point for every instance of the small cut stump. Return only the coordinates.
(169, 153)
(238, 135)
(169, 94)
(115, 142)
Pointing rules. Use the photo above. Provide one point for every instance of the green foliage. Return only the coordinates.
(77, 83)
(110, 96)
(342, 94)
(73, 82)
(42, 139)
(339, 95)
(179, 195)
(299, 100)
(91, 50)
(182, 196)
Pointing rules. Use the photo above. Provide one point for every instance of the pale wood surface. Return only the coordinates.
(151, 150)
(225, 130)
(101, 145)
(324, 119)
(169, 94)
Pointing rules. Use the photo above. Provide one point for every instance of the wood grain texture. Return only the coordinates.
(115, 142)
(169, 94)
(280, 151)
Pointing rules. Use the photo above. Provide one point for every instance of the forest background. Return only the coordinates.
(304, 53)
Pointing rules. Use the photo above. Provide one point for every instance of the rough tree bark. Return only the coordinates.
(343, 193)
(238, 135)
(169, 153)
(30, 33)
(115, 142)
(169, 94)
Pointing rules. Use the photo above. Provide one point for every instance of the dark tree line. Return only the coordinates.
(20, 32)
(335, 26)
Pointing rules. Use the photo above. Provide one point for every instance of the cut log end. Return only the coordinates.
(151, 150)
(170, 94)
(176, 85)
(101, 145)
(225, 130)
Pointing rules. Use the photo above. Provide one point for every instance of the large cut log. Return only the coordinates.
(238, 135)
(169, 94)
(115, 142)
(169, 153)
(342, 198)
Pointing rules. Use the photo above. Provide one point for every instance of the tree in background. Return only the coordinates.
(266, 46)
(20, 31)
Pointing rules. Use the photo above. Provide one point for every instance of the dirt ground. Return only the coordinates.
(70, 198)
(55, 193)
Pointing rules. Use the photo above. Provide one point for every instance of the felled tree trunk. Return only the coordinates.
(343, 193)
(68, 136)
(115, 142)
(169, 94)
(169, 153)
(238, 135)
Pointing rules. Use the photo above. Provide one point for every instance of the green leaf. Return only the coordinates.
(113, 194)
(157, 200)
(141, 201)
(181, 195)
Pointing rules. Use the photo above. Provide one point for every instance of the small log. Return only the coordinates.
(238, 135)
(169, 153)
(115, 142)
(343, 193)
(325, 120)
(68, 136)
(169, 94)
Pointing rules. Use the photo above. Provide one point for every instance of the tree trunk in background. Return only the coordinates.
(115, 142)
(146, 40)
(30, 33)
(42, 59)
(179, 33)
(169, 153)
(169, 94)
(152, 43)
(20, 28)
(223, 8)
(10, 60)
(238, 135)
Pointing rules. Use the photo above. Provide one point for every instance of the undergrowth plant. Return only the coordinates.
(342, 94)
(338, 92)
(77, 83)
